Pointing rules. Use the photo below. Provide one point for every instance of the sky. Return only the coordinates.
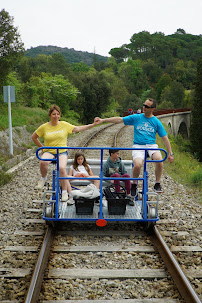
(99, 25)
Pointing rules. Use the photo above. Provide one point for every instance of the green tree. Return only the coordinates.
(118, 88)
(59, 90)
(152, 71)
(11, 47)
(25, 68)
(196, 125)
(80, 67)
(131, 101)
(57, 64)
(164, 81)
(95, 95)
(46, 90)
(132, 74)
(140, 46)
(174, 93)
(119, 53)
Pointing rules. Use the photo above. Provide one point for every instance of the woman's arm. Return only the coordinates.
(35, 139)
(81, 128)
(97, 121)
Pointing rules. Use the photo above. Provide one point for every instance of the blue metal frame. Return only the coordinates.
(144, 179)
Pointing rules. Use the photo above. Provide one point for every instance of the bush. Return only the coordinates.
(183, 145)
(4, 178)
(196, 177)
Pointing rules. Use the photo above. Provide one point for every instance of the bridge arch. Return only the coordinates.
(178, 123)
(183, 129)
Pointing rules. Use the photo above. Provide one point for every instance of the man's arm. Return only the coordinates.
(110, 120)
(168, 147)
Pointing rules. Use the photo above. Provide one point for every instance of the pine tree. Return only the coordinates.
(196, 122)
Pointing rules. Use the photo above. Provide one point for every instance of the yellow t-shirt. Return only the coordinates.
(55, 136)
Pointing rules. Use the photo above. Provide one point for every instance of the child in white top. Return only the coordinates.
(81, 168)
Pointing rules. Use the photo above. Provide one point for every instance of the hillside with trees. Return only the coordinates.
(151, 65)
(71, 55)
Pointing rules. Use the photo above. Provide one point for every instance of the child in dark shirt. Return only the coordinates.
(114, 167)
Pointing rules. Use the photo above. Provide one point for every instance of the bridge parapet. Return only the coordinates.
(178, 122)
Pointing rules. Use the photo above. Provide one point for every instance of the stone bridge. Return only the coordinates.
(178, 122)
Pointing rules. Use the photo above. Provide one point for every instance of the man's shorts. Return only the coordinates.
(141, 153)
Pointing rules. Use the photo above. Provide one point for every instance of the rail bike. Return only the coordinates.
(98, 208)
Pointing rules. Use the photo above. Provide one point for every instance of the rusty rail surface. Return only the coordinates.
(181, 281)
(37, 277)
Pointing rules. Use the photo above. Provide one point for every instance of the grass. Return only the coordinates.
(5, 178)
(21, 115)
(31, 117)
(185, 169)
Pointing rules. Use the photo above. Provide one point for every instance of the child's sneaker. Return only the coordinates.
(70, 201)
(64, 197)
(40, 184)
(157, 188)
(133, 189)
(130, 200)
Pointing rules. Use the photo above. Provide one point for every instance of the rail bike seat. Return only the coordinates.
(95, 165)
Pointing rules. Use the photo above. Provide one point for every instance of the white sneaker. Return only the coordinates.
(40, 184)
(64, 197)
(70, 201)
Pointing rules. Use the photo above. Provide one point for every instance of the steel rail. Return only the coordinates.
(95, 134)
(37, 276)
(92, 137)
(116, 135)
(181, 281)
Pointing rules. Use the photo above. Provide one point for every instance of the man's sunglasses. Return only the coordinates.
(146, 106)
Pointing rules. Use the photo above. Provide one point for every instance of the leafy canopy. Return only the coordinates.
(11, 47)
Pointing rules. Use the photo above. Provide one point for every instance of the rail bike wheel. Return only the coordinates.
(50, 210)
(151, 214)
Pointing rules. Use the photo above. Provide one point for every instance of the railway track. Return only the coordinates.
(104, 256)
(118, 263)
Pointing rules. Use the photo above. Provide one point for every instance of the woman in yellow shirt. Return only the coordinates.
(55, 133)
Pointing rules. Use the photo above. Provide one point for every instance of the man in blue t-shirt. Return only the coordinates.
(146, 126)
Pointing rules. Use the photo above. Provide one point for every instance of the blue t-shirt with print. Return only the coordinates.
(145, 129)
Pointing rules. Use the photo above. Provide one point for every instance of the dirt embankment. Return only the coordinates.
(21, 147)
